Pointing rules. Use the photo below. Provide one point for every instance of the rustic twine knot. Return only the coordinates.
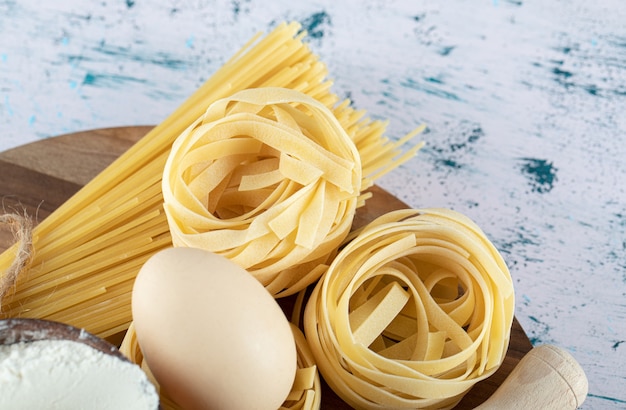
(21, 227)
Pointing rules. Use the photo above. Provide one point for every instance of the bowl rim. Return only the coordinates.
(27, 330)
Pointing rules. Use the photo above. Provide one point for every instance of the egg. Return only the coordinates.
(211, 334)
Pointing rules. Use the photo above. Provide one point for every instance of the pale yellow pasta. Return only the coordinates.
(412, 312)
(290, 193)
(306, 393)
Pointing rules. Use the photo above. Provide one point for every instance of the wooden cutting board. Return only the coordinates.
(40, 176)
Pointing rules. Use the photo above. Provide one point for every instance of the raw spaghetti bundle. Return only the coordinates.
(269, 179)
(413, 312)
(87, 253)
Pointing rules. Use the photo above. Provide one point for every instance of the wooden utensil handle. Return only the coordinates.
(547, 377)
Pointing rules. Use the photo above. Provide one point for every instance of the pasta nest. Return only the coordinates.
(413, 311)
(267, 178)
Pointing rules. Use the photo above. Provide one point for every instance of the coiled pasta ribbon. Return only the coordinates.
(306, 392)
(412, 312)
(267, 178)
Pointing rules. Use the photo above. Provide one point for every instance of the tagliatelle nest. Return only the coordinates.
(269, 179)
(413, 311)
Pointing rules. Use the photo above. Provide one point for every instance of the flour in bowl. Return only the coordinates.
(63, 374)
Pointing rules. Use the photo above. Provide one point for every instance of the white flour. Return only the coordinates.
(62, 374)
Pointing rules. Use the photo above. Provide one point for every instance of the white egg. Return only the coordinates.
(211, 334)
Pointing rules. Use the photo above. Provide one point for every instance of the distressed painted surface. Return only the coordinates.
(525, 103)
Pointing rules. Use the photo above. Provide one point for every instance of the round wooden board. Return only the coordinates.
(40, 176)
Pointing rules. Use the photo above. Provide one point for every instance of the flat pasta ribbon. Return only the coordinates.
(412, 312)
(267, 178)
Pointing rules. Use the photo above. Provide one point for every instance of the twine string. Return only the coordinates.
(21, 227)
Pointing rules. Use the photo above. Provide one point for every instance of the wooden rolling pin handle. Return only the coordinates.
(548, 377)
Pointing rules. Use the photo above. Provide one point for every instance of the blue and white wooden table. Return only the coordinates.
(525, 103)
